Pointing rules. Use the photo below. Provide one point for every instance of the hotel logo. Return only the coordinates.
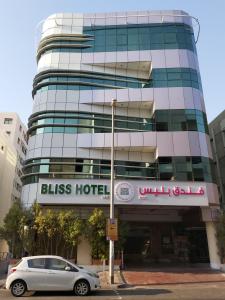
(124, 191)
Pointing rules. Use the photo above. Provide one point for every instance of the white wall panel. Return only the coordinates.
(137, 139)
(134, 156)
(127, 139)
(50, 106)
(183, 55)
(150, 139)
(165, 143)
(147, 94)
(176, 98)
(161, 98)
(38, 141)
(37, 152)
(72, 96)
(121, 56)
(60, 96)
(85, 140)
(109, 95)
(134, 94)
(82, 152)
(122, 95)
(121, 155)
(60, 106)
(70, 140)
(181, 143)
(172, 58)
(158, 58)
(197, 97)
(42, 107)
(57, 140)
(188, 97)
(51, 95)
(46, 152)
(56, 152)
(194, 144)
(87, 96)
(31, 142)
(69, 152)
(43, 98)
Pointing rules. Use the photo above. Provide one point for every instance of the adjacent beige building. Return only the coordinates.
(13, 147)
(8, 162)
(16, 133)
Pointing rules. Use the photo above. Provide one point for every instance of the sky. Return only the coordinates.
(18, 39)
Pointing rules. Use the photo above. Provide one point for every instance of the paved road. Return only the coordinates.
(203, 291)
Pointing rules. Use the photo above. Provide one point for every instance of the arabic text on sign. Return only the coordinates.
(175, 191)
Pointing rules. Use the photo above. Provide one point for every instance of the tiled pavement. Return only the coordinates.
(2, 280)
(174, 275)
(104, 279)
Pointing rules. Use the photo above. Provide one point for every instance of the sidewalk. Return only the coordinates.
(2, 280)
(159, 276)
(104, 279)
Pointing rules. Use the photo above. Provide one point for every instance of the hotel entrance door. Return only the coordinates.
(148, 243)
(152, 243)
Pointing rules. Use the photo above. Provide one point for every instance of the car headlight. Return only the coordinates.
(93, 275)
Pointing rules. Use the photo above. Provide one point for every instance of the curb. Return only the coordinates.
(120, 280)
(123, 284)
(2, 284)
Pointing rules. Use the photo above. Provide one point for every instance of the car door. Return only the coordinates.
(58, 277)
(36, 275)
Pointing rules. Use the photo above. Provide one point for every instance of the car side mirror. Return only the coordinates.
(67, 268)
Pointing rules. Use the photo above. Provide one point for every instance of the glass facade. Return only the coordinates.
(83, 122)
(126, 38)
(165, 168)
(169, 77)
(181, 120)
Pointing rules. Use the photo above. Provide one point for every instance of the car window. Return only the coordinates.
(55, 264)
(17, 264)
(72, 268)
(38, 263)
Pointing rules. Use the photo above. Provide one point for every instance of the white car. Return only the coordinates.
(50, 273)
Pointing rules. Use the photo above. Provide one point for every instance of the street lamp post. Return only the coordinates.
(111, 242)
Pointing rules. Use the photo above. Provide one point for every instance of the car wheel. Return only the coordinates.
(18, 288)
(82, 288)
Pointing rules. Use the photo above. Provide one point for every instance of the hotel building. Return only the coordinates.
(164, 186)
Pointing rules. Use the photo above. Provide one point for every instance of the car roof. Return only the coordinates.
(42, 256)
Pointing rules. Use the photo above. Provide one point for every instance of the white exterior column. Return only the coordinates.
(84, 252)
(212, 245)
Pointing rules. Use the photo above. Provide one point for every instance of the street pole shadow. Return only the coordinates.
(102, 293)
(55, 294)
(143, 292)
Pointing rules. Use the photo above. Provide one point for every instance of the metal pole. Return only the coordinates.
(111, 243)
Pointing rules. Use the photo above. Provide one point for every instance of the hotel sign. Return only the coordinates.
(77, 189)
(131, 192)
